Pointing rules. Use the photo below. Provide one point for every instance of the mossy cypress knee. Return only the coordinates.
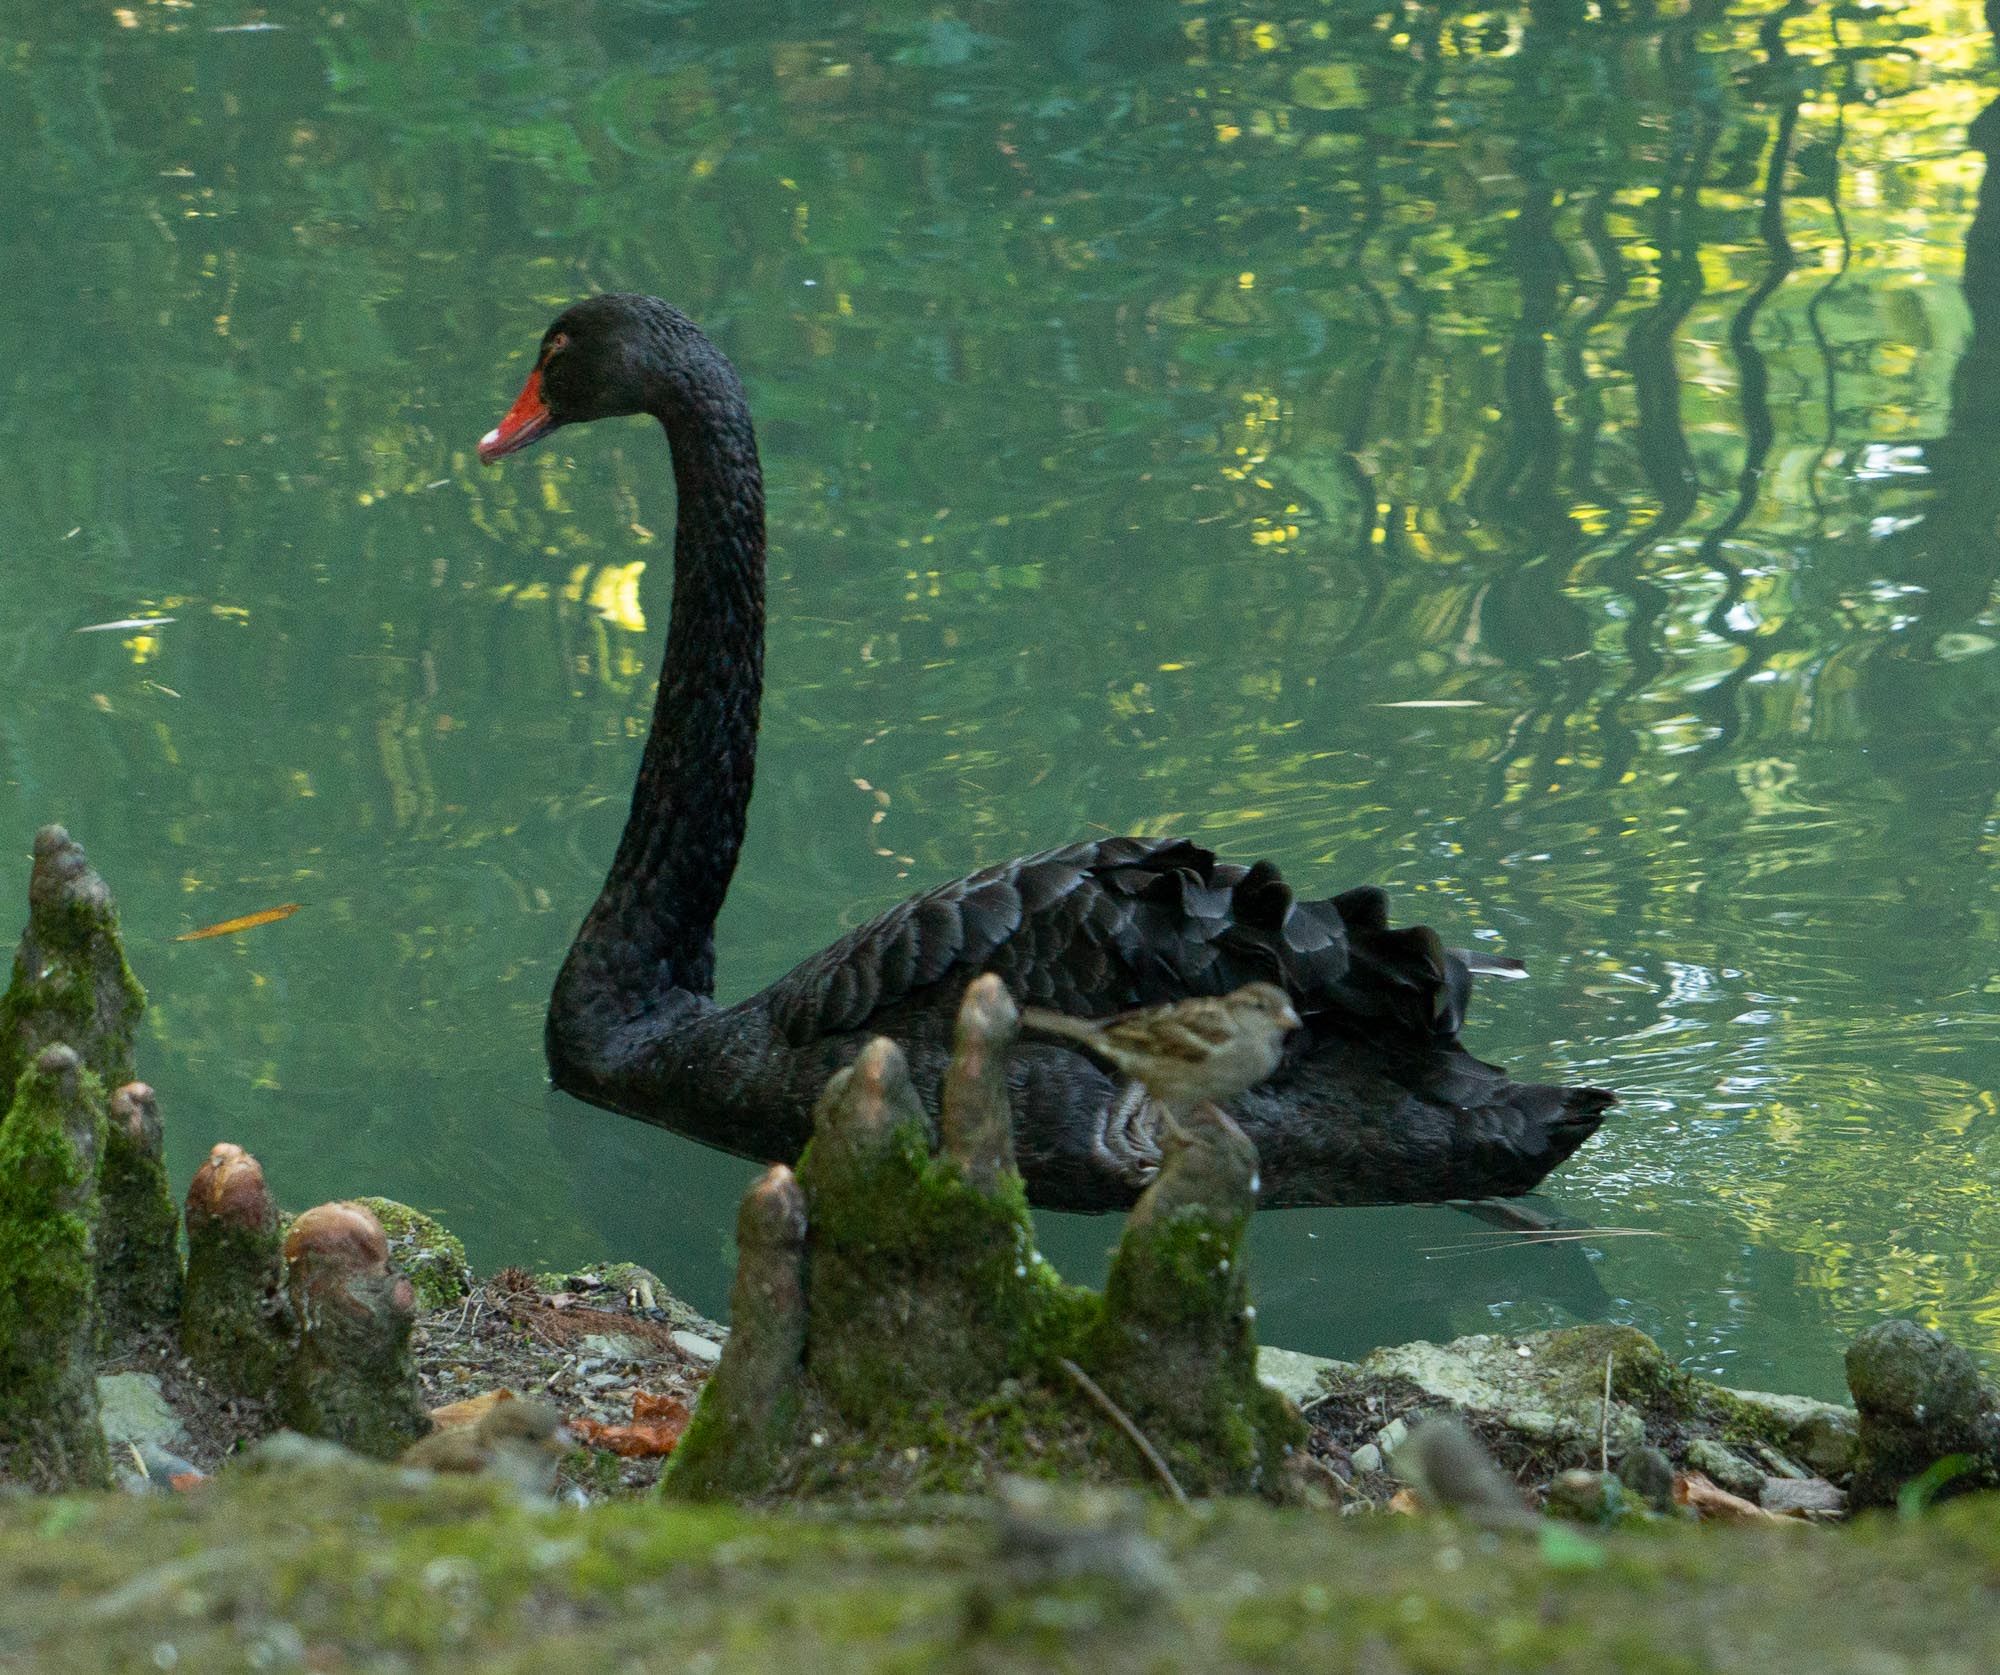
(921, 1286)
(352, 1378)
(750, 1406)
(977, 1116)
(138, 1233)
(70, 983)
(930, 1347)
(236, 1324)
(1176, 1347)
(1921, 1400)
(50, 1144)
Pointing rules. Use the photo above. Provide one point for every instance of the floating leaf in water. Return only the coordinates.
(248, 922)
(1433, 704)
(124, 622)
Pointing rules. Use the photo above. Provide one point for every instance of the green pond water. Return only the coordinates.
(1544, 459)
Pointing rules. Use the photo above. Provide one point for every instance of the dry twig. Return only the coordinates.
(1117, 1415)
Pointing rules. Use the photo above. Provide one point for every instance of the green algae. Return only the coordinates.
(50, 1143)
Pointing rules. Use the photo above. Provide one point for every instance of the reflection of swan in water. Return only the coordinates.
(1374, 1101)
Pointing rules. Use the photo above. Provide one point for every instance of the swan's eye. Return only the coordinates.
(558, 342)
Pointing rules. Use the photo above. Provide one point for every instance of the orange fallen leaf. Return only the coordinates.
(1695, 1490)
(1405, 1502)
(456, 1415)
(248, 922)
(642, 1439)
(645, 1405)
(185, 1480)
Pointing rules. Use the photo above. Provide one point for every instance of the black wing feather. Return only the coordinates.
(1096, 927)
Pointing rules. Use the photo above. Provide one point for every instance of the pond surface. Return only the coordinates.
(1544, 459)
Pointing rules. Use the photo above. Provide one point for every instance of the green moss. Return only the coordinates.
(235, 1323)
(50, 1143)
(939, 1349)
(425, 1249)
(363, 1567)
(1174, 1345)
(1816, 1434)
(139, 1230)
(921, 1286)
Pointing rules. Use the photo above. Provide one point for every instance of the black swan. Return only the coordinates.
(1374, 1102)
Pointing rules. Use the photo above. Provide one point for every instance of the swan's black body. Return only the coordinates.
(1375, 1103)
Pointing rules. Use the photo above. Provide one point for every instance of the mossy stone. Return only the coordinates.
(425, 1249)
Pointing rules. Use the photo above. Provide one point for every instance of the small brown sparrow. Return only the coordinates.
(1209, 1048)
(519, 1442)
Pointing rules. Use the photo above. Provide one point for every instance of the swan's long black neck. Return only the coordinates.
(652, 930)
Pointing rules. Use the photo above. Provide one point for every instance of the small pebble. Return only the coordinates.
(1367, 1458)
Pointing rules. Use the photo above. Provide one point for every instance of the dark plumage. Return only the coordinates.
(1374, 1102)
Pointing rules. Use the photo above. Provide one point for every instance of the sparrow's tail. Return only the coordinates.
(1044, 1022)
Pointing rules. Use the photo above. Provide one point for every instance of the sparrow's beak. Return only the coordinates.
(1289, 1018)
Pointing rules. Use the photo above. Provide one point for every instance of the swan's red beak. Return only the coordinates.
(526, 420)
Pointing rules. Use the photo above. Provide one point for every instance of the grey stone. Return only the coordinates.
(1813, 1494)
(1547, 1386)
(1725, 1467)
(1821, 1435)
(145, 1468)
(698, 1348)
(1366, 1458)
(1302, 1378)
(131, 1409)
(614, 1346)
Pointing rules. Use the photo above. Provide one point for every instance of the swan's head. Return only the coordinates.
(603, 358)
